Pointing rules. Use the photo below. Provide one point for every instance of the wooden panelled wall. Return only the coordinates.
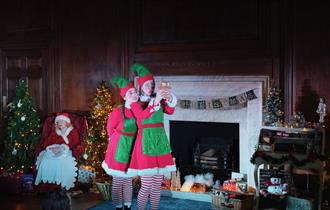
(84, 42)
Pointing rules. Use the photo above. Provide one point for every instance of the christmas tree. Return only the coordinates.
(97, 135)
(273, 110)
(22, 133)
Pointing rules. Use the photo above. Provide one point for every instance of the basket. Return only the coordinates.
(105, 190)
(218, 202)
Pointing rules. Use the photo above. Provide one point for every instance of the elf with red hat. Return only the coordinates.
(57, 155)
(121, 128)
(151, 156)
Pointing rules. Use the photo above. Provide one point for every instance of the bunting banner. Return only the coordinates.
(232, 102)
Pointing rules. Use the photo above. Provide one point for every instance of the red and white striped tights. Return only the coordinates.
(122, 191)
(150, 186)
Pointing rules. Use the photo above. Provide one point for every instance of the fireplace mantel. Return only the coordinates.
(249, 117)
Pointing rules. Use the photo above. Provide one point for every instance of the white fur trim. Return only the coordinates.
(174, 101)
(127, 105)
(113, 172)
(151, 171)
(62, 117)
(65, 134)
(145, 98)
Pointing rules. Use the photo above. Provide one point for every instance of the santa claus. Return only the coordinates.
(55, 163)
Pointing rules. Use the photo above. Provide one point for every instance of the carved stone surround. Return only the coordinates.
(249, 118)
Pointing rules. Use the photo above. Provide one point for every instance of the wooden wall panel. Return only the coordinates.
(205, 38)
(311, 45)
(189, 21)
(91, 41)
(89, 54)
(20, 15)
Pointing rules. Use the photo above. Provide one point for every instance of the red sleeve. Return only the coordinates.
(167, 109)
(113, 121)
(139, 113)
(51, 139)
(73, 138)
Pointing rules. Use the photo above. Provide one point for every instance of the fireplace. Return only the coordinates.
(247, 118)
(201, 147)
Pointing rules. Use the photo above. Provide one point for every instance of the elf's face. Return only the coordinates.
(148, 88)
(131, 95)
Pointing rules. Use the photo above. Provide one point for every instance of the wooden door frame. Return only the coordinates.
(50, 83)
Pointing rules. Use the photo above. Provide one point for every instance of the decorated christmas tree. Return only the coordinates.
(97, 135)
(23, 132)
(273, 110)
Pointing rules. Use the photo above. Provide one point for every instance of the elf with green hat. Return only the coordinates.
(121, 129)
(151, 156)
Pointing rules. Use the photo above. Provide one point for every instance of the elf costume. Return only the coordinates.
(151, 156)
(121, 128)
(152, 150)
(51, 165)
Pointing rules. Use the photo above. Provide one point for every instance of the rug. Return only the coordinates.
(166, 203)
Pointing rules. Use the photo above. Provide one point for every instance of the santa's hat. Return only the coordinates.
(62, 116)
(122, 84)
(142, 72)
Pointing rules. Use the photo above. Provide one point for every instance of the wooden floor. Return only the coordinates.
(33, 201)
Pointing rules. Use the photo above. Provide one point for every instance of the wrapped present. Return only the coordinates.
(85, 175)
(27, 182)
(166, 184)
(229, 185)
(241, 187)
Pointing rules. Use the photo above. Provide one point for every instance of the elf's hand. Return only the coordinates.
(159, 96)
(168, 96)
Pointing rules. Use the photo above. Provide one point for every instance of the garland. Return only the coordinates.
(287, 158)
(238, 101)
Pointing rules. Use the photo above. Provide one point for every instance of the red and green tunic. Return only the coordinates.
(152, 151)
(121, 128)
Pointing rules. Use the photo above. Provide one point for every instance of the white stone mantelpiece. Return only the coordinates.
(249, 118)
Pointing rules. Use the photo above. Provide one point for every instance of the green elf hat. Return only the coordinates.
(122, 84)
(142, 72)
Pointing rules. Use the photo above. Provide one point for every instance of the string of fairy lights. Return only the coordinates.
(23, 132)
(24, 126)
(97, 136)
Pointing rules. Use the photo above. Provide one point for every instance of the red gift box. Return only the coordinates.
(230, 186)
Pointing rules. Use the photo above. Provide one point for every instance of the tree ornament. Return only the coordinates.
(101, 107)
(14, 152)
(18, 152)
(98, 106)
(19, 104)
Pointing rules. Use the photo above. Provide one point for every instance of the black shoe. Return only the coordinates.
(127, 208)
(119, 208)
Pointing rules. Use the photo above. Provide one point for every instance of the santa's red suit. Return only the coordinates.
(60, 168)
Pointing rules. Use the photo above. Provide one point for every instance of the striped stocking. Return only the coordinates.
(121, 189)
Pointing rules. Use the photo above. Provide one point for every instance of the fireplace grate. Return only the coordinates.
(212, 156)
